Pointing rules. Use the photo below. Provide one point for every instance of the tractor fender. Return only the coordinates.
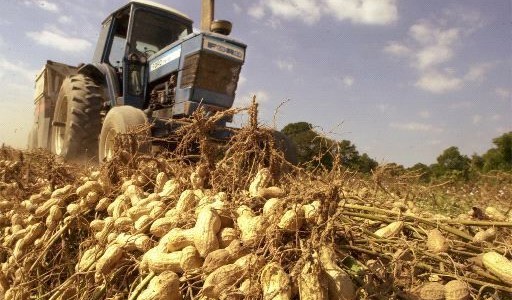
(105, 75)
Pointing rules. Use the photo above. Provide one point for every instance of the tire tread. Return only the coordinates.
(84, 120)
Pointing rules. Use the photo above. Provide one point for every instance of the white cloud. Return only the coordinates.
(64, 19)
(465, 17)
(348, 81)
(432, 56)
(477, 72)
(16, 69)
(430, 48)
(256, 11)
(308, 10)
(425, 114)
(496, 117)
(261, 96)
(15, 125)
(438, 82)
(273, 22)
(383, 107)
(17, 91)
(397, 49)
(421, 32)
(285, 65)
(503, 92)
(43, 4)
(477, 119)
(244, 100)
(501, 130)
(415, 126)
(49, 6)
(242, 80)
(426, 33)
(434, 142)
(434, 44)
(462, 105)
(371, 12)
(442, 81)
(237, 8)
(59, 41)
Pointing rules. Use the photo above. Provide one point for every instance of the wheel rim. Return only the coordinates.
(60, 131)
(108, 149)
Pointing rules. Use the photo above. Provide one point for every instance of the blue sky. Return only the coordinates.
(403, 79)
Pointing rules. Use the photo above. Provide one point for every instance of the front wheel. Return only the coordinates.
(124, 128)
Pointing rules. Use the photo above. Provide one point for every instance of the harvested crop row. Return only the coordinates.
(164, 229)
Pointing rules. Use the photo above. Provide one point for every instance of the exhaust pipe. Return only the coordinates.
(207, 19)
(207, 13)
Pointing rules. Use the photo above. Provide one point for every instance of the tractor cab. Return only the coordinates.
(130, 35)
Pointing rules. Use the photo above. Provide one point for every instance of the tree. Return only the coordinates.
(310, 145)
(500, 157)
(349, 154)
(504, 145)
(437, 170)
(424, 172)
(302, 135)
(312, 148)
(452, 163)
(493, 160)
(366, 164)
(477, 162)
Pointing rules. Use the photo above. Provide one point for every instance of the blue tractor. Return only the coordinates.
(149, 68)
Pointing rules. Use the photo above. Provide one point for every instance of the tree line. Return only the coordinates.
(451, 164)
(314, 149)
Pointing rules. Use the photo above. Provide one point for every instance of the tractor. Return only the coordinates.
(149, 68)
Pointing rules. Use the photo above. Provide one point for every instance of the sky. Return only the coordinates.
(401, 79)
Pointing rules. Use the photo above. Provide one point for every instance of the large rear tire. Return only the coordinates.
(77, 119)
(124, 120)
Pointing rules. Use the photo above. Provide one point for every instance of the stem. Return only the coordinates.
(465, 253)
(370, 252)
(141, 286)
(347, 220)
(484, 274)
(49, 244)
(478, 223)
(470, 280)
(449, 229)
(366, 216)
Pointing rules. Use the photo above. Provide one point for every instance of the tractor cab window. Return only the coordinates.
(151, 32)
(117, 50)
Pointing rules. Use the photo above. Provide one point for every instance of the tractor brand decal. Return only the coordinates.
(224, 48)
(166, 58)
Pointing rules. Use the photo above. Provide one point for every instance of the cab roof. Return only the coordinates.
(155, 5)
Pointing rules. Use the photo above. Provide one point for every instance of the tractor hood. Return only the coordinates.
(195, 42)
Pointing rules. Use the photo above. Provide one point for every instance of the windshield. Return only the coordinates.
(152, 32)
